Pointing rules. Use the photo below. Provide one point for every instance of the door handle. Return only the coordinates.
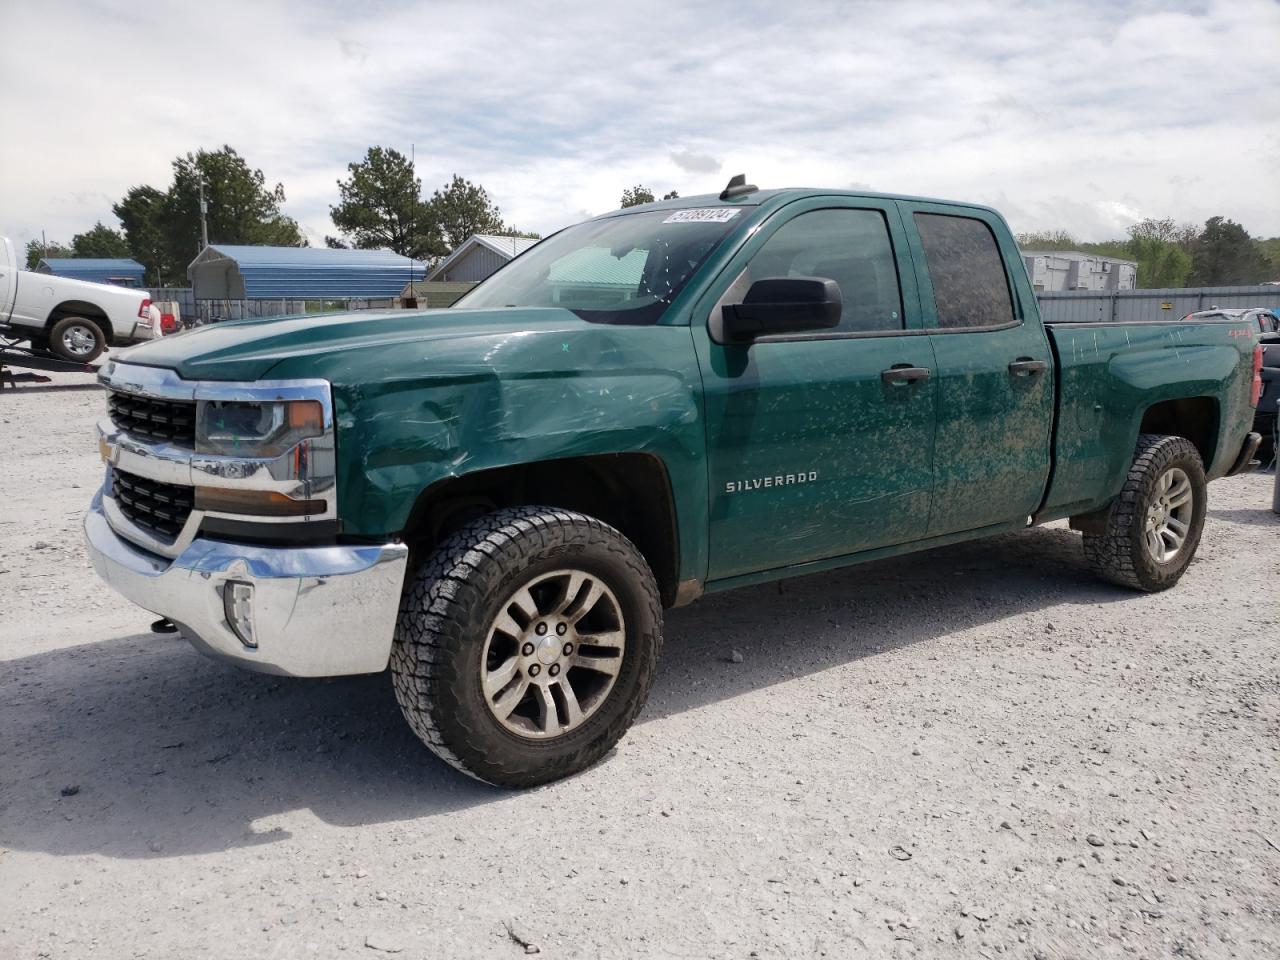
(1026, 367)
(895, 375)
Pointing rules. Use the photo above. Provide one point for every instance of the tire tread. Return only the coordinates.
(435, 623)
(1113, 553)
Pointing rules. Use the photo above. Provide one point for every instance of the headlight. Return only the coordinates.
(259, 429)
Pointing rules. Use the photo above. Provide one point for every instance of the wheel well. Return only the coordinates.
(79, 308)
(629, 491)
(1195, 418)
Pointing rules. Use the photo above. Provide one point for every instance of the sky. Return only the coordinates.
(1084, 116)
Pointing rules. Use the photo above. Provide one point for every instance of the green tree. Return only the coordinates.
(141, 213)
(1061, 240)
(1270, 249)
(381, 206)
(1225, 255)
(1161, 263)
(634, 196)
(37, 251)
(162, 228)
(336, 243)
(1167, 230)
(242, 208)
(1160, 249)
(671, 195)
(100, 241)
(1047, 240)
(463, 208)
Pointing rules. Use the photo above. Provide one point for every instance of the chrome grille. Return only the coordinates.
(161, 508)
(171, 421)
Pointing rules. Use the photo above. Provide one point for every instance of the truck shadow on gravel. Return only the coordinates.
(138, 747)
(1261, 517)
(26, 388)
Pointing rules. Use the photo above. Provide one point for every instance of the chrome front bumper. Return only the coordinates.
(316, 611)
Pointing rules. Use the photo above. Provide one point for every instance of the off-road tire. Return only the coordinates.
(445, 616)
(1118, 553)
(59, 349)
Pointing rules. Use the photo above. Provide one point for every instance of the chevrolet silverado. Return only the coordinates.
(498, 500)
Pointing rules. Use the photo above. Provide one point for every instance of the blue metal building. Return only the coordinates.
(122, 272)
(232, 272)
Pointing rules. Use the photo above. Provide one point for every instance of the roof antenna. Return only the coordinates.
(738, 187)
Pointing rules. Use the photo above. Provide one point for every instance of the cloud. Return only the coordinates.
(977, 101)
(354, 50)
(692, 162)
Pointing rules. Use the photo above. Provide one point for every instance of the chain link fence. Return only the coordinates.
(210, 311)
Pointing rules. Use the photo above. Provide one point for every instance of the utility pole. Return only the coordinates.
(204, 223)
(413, 176)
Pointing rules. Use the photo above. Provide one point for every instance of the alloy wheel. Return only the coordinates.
(553, 653)
(1168, 516)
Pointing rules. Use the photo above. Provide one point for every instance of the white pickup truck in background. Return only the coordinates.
(71, 319)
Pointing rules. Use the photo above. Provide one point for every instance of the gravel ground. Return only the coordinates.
(977, 751)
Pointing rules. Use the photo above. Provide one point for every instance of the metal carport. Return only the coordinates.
(234, 272)
(120, 271)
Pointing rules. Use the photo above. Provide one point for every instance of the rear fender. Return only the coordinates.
(1113, 376)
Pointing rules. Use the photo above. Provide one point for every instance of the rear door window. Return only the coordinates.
(970, 286)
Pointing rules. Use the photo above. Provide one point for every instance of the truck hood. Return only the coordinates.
(247, 350)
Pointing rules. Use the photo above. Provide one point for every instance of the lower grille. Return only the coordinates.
(173, 421)
(161, 508)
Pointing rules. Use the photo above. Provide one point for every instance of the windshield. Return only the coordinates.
(624, 269)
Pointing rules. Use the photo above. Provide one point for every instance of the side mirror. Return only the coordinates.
(783, 305)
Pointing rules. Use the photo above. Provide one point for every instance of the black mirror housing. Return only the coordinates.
(779, 305)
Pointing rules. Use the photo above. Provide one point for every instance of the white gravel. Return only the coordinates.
(974, 752)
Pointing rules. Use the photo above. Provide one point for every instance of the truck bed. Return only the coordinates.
(1116, 379)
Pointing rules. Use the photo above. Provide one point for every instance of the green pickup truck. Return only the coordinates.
(498, 500)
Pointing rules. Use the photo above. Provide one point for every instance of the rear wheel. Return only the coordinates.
(76, 338)
(1153, 528)
(527, 645)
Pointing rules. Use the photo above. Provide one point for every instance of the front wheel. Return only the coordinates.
(1153, 528)
(78, 339)
(527, 644)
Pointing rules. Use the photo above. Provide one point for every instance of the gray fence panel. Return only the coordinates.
(1126, 306)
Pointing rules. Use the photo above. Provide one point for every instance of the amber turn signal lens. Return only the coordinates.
(255, 503)
(305, 416)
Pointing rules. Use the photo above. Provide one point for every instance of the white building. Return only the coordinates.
(1053, 270)
(478, 256)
